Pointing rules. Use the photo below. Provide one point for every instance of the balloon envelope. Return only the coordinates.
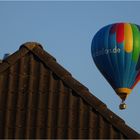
(115, 50)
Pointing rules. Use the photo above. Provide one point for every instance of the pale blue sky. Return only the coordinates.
(66, 29)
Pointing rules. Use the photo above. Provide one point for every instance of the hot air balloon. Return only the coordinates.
(115, 50)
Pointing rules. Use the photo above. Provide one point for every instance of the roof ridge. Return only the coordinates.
(75, 85)
(31, 45)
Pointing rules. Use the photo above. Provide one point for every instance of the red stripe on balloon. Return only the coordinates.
(120, 32)
(136, 80)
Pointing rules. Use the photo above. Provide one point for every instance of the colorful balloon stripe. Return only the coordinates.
(128, 38)
(120, 33)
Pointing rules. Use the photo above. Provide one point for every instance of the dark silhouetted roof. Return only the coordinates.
(40, 99)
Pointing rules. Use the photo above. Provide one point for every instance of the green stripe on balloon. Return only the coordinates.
(136, 43)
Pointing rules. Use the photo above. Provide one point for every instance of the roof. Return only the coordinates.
(41, 99)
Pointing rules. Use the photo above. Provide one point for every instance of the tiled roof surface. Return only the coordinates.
(40, 99)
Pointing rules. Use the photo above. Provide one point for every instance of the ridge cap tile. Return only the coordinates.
(43, 55)
(11, 59)
(31, 45)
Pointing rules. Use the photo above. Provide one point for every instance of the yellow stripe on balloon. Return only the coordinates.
(128, 37)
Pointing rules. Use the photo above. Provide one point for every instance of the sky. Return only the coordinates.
(66, 29)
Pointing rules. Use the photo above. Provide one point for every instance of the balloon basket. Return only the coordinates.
(122, 106)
